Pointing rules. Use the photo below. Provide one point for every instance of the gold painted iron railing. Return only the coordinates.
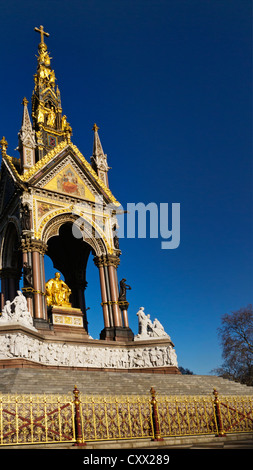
(45, 419)
(120, 417)
(34, 419)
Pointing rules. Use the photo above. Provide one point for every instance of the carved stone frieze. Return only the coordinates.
(20, 345)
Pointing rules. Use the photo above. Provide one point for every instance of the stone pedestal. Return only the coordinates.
(117, 333)
(66, 318)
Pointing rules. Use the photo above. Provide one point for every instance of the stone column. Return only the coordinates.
(38, 303)
(124, 306)
(3, 289)
(104, 297)
(27, 277)
(116, 314)
(10, 284)
(38, 249)
(112, 311)
(99, 262)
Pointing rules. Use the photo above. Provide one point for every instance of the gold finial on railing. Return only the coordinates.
(221, 432)
(78, 426)
(156, 426)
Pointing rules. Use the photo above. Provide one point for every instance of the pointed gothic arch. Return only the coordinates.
(69, 249)
(81, 228)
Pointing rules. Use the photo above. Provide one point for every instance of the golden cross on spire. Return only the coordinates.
(95, 128)
(42, 33)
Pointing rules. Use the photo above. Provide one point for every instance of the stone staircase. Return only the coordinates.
(37, 381)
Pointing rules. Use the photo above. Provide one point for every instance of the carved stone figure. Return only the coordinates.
(17, 312)
(51, 117)
(57, 292)
(64, 122)
(6, 312)
(123, 288)
(25, 214)
(115, 237)
(27, 274)
(158, 329)
(20, 305)
(145, 324)
(40, 115)
(147, 329)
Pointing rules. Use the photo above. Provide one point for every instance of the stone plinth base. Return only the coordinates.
(117, 333)
(21, 347)
(27, 364)
(66, 318)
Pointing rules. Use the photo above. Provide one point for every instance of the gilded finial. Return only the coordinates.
(42, 33)
(25, 102)
(95, 128)
(4, 145)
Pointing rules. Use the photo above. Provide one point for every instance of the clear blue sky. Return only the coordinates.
(169, 84)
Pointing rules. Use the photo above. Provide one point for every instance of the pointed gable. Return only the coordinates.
(65, 170)
(70, 181)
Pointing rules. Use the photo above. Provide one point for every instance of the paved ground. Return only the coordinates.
(233, 441)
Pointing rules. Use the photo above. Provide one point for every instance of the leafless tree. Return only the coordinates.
(236, 337)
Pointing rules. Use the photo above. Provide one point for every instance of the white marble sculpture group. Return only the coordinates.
(149, 329)
(17, 312)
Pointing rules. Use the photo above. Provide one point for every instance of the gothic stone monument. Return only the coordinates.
(54, 201)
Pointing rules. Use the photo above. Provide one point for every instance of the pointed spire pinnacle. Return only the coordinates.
(4, 146)
(26, 138)
(97, 146)
(26, 134)
(99, 158)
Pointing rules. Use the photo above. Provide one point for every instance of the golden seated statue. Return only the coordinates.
(57, 292)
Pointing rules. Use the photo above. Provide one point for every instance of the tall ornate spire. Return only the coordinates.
(99, 158)
(50, 125)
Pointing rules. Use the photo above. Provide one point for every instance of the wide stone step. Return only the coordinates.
(121, 383)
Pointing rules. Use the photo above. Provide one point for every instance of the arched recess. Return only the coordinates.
(11, 263)
(69, 248)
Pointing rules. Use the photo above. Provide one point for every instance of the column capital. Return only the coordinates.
(123, 304)
(29, 244)
(106, 260)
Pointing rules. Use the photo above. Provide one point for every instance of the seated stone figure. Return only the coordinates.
(57, 292)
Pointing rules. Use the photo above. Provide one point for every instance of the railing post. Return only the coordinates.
(79, 436)
(157, 433)
(221, 432)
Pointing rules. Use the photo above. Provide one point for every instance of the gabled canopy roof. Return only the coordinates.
(51, 160)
